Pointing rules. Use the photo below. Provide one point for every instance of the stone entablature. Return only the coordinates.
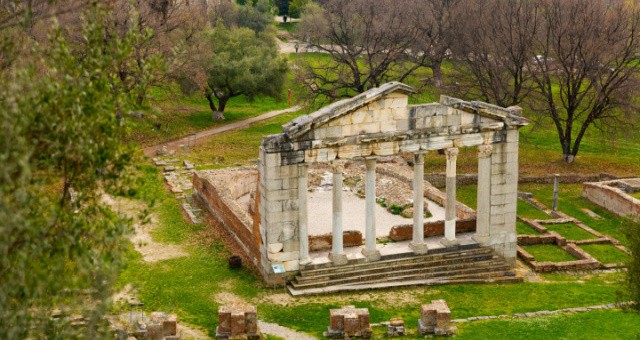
(378, 123)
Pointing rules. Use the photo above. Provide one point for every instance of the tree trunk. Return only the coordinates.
(436, 67)
(218, 114)
(212, 104)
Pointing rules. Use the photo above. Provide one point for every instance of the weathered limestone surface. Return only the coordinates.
(348, 322)
(235, 322)
(613, 196)
(435, 318)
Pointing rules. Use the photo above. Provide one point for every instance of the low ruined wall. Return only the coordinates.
(430, 192)
(351, 238)
(612, 199)
(405, 232)
(439, 179)
(218, 191)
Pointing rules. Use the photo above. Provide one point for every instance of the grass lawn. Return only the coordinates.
(599, 324)
(570, 201)
(525, 229)
(468, 194)
(635, 194)
(549, 253)
(192, 286)
(570, 231)
(237, 147)
(605, 253)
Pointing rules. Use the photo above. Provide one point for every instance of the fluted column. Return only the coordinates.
(303, 214)
(417, 244)
(370, 251)
(484, 193)
(337, 255)
(450, 206)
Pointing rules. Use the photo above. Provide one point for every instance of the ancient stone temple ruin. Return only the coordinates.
(273, 229)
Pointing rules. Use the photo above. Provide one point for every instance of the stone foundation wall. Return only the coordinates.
(351, 238)
(612, 198)
(404, 232)
(218, 191)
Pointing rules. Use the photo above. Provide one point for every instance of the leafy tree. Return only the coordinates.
(60, 149)
(257, 16)
(242, 63)
(296, 7)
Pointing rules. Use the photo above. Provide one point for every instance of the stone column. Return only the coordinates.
(370, 251)
(450, 207)
(303, 223)
(417, 244)
(483, 210)
(337, 255)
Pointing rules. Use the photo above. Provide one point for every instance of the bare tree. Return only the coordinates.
(495, 46)
(587, 70)
(438, 26)
(366, 41)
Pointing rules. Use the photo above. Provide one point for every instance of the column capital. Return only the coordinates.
(452, 152)
(418, 158)
(337, 167)
(485, 150)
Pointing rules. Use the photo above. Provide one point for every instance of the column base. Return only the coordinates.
(305, 261)
(419, 248)
(338, 259)
(449, 243)
(482, 240)
(371, 255)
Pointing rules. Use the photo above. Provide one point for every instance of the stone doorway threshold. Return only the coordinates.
(391, 250)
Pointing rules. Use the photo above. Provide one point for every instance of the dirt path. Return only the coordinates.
(150, 250)
(200, 137)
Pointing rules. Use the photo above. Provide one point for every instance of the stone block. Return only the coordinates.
(224, 319)
(291, 266)
(336, 319)
(334, 132)
(284, 256)
(237, 323)
(170, 325)
(155, 331)
(359, 116)
(291, 245)
(251, 320)
(275, 247)
(351, 324)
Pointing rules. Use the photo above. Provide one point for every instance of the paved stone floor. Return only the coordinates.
(320, 202)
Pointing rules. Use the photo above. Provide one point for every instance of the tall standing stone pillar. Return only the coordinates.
(303, 223)
(370, 251)
(337, 255)
(417, 244)
(450, 206)
(483, 211)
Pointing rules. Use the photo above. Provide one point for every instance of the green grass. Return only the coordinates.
(635, 194)
(180, 115)
(570, 201)
(605, 253)
(600, 324)
(549, 253)
(290, 27)
(468, 194)
(570, 231)
(525, 229)
(237, 147)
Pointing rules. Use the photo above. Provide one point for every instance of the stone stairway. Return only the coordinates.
(472, 264)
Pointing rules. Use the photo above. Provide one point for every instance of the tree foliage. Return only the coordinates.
(632, 231)
(60, 149)
(241, 63)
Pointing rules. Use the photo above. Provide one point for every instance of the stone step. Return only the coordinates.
(426, 263)
(424, 282)
(467, 273)
(393, 273)
(386, 263)
(397, 256)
